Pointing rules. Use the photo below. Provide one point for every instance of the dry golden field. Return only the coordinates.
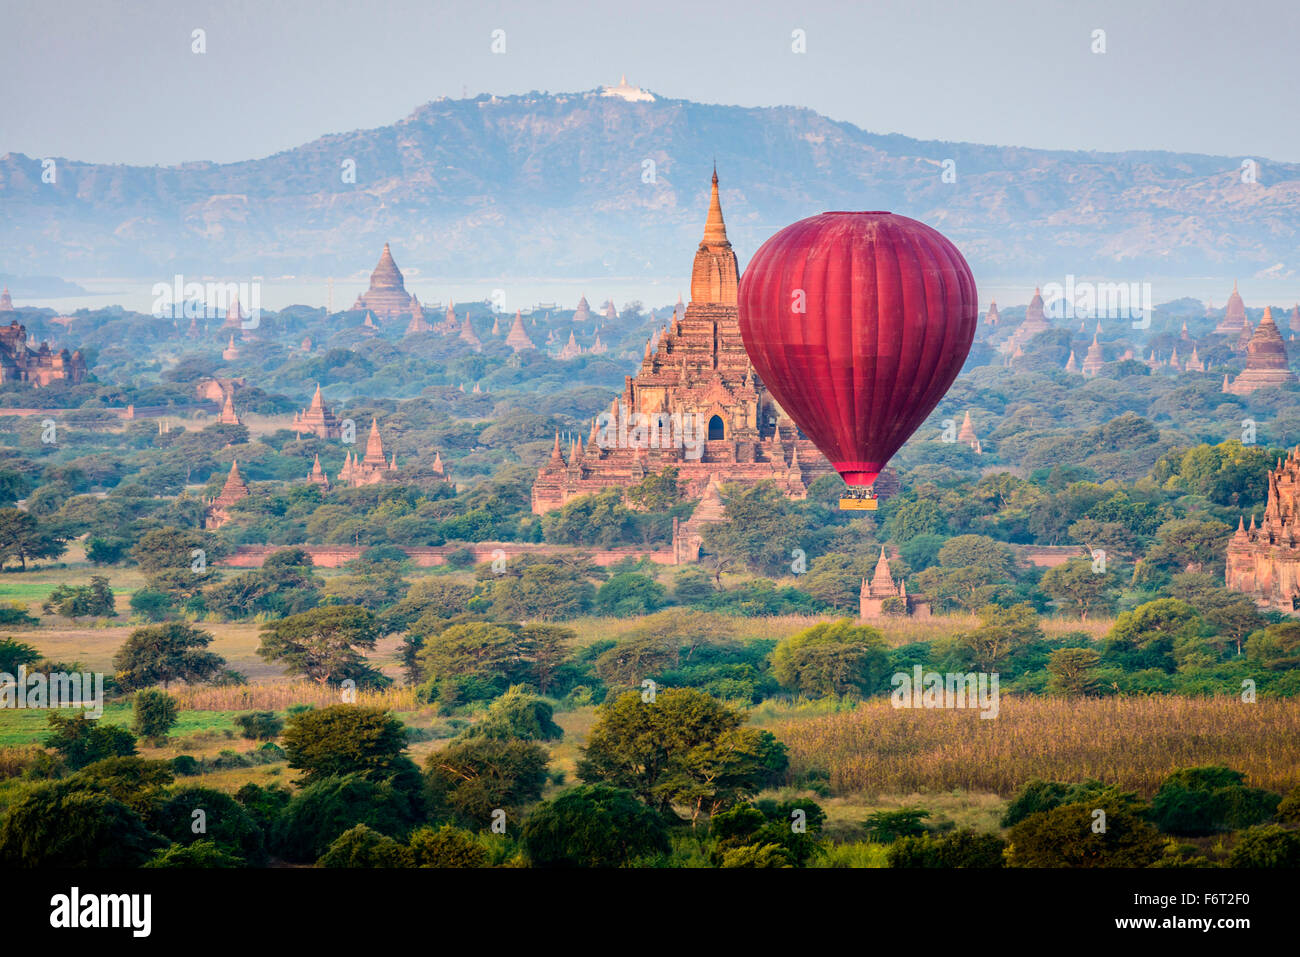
(1133, 742)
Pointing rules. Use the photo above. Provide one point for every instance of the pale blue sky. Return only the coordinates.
(117, 82)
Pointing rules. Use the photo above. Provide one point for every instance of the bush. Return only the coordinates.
(1064, 837)
(757, 855)
(199, 855)
(1268, 846)
(68, 826)
(155, 714)
(517, 715)
(965, 848)
(185, 765)
(593, 826)
(81, 741)
(446, 847)
(1200, 801)
(885, 827)
(151, 605)
(260, 725)
(362, 846)
(222, 821)
(320, 812)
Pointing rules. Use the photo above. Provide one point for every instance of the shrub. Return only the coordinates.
(518, 715)
(66, 825)
(81, 741)
(362, 846)
(1064, 837)
(757, 855)
(185, 765)
(965, 848)
(446, 847)
(260, 725)
(199, 855)
(320, 812)
(593, 826)
(1268, 846)
(885, 827)
(222, 821)
(155, 714)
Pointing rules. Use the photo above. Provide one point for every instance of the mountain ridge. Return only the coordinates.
(560, 185)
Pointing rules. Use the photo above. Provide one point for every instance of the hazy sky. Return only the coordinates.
(117, 82)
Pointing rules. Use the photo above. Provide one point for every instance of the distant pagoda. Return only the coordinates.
(517, 339)
(882, 587)
(1094, 360)
(991, 317)
(228, 415)
(317, 475)
(1035, 321)
(966, 435)
(583, 312)
(418, 323)
(1234, 316)
(317, 419)
(372, 469)
(387, 296)
(216, 514)
(1266, 361)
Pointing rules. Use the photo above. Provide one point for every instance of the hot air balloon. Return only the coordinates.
(858, 323)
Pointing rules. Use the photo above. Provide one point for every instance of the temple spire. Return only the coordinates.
(715, 230)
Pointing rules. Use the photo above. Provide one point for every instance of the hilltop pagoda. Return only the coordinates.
(697, 370)
(387, 296)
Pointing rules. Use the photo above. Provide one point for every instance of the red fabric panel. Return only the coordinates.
(891, 311)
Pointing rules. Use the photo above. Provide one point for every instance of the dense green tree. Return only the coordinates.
(1065, 837)
(1074, 671)
(23, 536)
(446, 847)
(1079, 587)
(517, 715)
(66, 825)
(593, 826)
(683, 746)
(364, 847)
(832, 658)
(477, 776)
(82, 741)
(325, 644)
(192, 814)
(346, 739)
(761, 530)
(1000, 634)
(161, 654)
(154, 714)
(14, 654)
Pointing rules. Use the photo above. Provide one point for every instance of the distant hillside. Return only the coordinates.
(555, 186)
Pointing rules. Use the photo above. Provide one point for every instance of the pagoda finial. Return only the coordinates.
(715, 230)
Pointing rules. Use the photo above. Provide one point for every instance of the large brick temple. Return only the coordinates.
(697, 366)
(1264, 560)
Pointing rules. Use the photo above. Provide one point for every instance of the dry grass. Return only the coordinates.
(1133, 742)
(280, 695)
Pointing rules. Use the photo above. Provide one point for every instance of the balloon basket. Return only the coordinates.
(859, 499)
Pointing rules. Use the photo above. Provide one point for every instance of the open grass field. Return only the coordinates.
(1132, 742)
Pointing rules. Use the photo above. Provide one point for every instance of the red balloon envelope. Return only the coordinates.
(858, 323)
